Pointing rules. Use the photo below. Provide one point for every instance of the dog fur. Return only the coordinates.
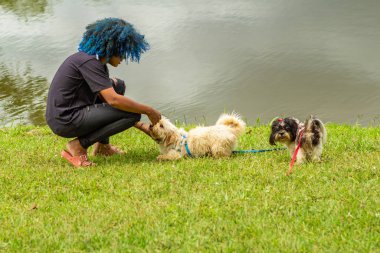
(285, 131)
(312, 140)
(216, 141)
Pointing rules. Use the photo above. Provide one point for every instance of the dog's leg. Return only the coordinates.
(291, 147)
(171, 155)
(316, 156)
(218, 152)
(300, 156)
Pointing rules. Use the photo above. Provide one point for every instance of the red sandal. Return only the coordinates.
(77, 161)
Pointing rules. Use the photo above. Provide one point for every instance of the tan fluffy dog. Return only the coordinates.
(215, 141)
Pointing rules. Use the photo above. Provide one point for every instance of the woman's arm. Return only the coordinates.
(126, 104)
(144, 127)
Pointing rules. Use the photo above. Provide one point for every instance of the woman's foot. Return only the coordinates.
(106, 150)
(75, 149)
(76, 154)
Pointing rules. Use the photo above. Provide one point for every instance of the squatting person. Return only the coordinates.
(84, 103)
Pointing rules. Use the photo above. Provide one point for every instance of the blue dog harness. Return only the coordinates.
(187, 149)
(184, 141)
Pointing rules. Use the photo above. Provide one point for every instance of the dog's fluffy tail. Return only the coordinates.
(233, 121)
(315, 132)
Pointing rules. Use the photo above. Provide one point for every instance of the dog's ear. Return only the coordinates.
(316, 125)
(169, 140)
(273, 130)
(271, 139)
(294, 128)
(315, 139)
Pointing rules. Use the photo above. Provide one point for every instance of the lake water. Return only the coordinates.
(260, 58)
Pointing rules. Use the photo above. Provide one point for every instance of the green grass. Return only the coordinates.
(245, 203)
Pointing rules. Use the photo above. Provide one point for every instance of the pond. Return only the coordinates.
(260, 58)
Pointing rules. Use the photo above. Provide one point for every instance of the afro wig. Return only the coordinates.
(113, 37)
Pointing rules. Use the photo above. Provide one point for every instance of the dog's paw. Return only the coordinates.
(168, 157)
(316, 159)
(164, 158)
(160, 158)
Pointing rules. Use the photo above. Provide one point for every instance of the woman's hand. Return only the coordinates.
(153, 115)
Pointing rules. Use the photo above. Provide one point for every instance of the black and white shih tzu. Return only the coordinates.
(285, 131)
(310, 135)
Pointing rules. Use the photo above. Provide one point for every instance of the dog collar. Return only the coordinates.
(180, 144)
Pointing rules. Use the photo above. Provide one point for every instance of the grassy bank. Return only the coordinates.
(133, 203)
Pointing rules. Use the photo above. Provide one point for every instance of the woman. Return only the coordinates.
(83, 102)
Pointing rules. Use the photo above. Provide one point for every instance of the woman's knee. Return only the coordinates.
(137, 117)
(129, 121)
(65, 131)
(119, 86)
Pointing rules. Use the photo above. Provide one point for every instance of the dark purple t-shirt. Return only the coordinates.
(75, 86)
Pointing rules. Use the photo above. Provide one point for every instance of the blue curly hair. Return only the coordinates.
(113, 37)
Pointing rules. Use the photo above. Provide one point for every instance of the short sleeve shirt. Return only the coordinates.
(75, 86)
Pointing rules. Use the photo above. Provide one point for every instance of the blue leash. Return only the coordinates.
(234, 151)
(255, 150)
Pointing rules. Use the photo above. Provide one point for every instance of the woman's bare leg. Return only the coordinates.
(75, 149)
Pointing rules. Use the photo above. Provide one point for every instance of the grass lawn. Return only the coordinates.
(245, 203)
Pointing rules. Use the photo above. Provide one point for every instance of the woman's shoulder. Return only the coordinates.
(81, 57)
(79, 62)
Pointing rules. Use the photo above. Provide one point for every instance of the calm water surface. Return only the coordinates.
(261, 58)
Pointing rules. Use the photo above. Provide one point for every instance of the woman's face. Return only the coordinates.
(115, 61)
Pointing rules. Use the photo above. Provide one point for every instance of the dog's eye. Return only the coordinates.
(162, 126)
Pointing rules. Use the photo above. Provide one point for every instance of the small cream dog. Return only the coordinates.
(215, 141)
